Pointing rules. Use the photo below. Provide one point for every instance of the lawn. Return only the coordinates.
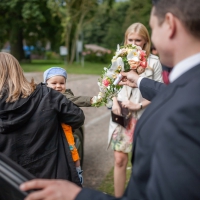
(75, 68)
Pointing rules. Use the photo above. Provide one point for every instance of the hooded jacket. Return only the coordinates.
(31, 133)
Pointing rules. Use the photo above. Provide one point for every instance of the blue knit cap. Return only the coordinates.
(54, 71)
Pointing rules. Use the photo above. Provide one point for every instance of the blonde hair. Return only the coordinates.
(143, 32)
(13, 84)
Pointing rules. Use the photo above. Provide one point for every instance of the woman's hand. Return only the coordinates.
(115, 107)
(51, 189)
(130, 105)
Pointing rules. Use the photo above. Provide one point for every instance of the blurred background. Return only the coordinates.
(67, 31)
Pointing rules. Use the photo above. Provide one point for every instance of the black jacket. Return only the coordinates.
(31, 133)
(150, 88)
(166, 161)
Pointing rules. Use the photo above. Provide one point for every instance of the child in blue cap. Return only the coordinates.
(55, 78)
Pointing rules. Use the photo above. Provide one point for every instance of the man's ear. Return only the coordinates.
(170, 21)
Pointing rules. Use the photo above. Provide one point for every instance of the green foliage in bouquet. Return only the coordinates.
(107, 89)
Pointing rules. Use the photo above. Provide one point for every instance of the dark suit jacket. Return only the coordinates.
(166, 152)
(150, 88)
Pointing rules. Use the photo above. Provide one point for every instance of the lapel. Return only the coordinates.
(162, 98)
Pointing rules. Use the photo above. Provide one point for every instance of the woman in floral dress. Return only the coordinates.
(121, 139)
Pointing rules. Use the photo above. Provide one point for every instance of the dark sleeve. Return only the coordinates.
(80, 101)
(150, 88)
(68, 112)
(87, 194)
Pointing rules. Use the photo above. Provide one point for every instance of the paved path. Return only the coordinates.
(98, 160)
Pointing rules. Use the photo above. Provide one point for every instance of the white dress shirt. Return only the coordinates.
(180, 68)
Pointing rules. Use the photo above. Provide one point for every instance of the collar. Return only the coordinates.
(184, 66)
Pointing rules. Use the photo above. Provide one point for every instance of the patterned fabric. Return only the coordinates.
(122, 138)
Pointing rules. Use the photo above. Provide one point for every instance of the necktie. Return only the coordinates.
(165, 74)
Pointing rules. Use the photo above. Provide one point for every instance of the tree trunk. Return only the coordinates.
(70, 39)
(16, 42)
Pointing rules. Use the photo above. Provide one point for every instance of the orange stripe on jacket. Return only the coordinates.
(70, 139)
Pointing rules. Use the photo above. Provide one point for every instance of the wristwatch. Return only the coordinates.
(140, 105)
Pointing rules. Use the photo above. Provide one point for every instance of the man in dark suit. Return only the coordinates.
(166, 151)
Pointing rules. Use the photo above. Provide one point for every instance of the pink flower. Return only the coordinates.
(143, 64)
(106, 82)
(143, 55)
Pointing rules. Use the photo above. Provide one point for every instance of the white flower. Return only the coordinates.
(94, 99)
(117, 53)
(110, 73)
(129, 50)
(100, 95)
(116, 64)
(102, 88)
(133, 55)
(109, 104)
(105, 69)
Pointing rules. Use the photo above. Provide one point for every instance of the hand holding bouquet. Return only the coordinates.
(129, 57)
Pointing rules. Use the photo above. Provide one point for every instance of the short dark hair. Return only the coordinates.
(186, 11)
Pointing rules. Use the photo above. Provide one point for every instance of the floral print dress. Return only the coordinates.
(122, 139)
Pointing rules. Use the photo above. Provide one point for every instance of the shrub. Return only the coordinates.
(98, 56)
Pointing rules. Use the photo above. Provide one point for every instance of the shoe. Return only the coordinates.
(80, 175)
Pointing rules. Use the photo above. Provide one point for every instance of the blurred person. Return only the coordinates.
(30, 130)
(166, 141)
(154, 51)
(120, 139)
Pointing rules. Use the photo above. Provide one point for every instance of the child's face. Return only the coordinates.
(57, 83)
(135, 38)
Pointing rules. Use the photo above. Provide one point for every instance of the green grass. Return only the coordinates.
(107, 184)
(75, 68)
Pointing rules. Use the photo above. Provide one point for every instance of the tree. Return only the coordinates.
(26, 20)
(74, 16)
(138, 11)
(116, 27)
(107, 29)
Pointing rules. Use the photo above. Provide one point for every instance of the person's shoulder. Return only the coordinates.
(154, 61)
(154, 57)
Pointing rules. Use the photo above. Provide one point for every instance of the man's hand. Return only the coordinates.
(129, 78)
(51, 189)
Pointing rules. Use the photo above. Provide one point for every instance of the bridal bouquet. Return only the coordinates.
(126, 58)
